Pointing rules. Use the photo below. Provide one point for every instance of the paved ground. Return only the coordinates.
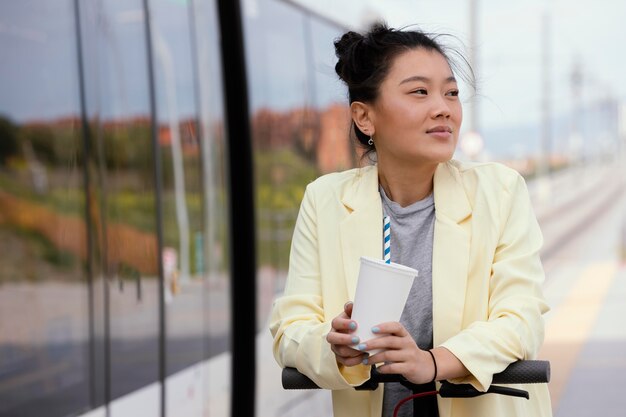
(586, 329)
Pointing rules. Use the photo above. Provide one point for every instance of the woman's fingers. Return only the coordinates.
(390, 327)
(384, 342)
(393, 336)
(399, 354)
(391, 368)
(395, 344)
(390, 355)
(336, 338)
(345, 351)
(343, 324)
(342, 341)
(417, 367)
(341, 338)
(340, 344)
(353, 361)
(347, 308)
(347, 355)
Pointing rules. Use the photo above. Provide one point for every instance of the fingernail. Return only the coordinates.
(361, 346)
(352, 325)
(365, 361)
(355, 340)
(375, 329)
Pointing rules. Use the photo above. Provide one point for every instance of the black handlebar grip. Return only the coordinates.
(292, 379)
(521, 372)
(524, 372)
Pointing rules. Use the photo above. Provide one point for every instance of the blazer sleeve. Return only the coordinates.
(514, 328)
(298, 323)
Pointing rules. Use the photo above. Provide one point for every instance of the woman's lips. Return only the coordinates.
(441, 131)
(440, 134)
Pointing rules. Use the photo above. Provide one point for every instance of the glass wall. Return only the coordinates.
(195, 223)
(217, 323)
(284, 130)
(300, 130)
(44, 291)
(89, 218)
(299, 124)
(125, 196)
(183, 237)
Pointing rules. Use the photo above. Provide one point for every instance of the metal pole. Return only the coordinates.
(546, 135)
(242, 223)
(473, 60)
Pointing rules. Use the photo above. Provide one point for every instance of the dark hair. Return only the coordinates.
(365, 60)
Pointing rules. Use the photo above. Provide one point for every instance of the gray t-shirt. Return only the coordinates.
(412, 230)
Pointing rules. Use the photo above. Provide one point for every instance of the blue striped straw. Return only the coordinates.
(387, 239)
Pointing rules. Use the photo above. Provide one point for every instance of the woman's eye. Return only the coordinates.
(453, 93)
(420, 91)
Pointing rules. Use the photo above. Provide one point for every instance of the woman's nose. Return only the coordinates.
(440, 107)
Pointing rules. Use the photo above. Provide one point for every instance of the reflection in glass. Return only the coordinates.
(300, 129)
(214, 239)
(284, 132)
(181, 196)
(123, 213)
(79, 301)
(300, 126)
(183, 224)
(44, 310)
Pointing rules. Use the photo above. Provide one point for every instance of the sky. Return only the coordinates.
(510, 48)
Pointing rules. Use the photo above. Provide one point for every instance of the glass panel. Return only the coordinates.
(89, 18)
(300, 130)
(183, 238)
(284, 133)
(214, 240)
(124, 197)
(44, 296)
(300, 126)
(335, 151)
(194, 207)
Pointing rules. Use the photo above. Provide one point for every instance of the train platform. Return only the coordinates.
(586, 286)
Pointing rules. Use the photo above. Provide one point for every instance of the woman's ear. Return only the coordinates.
(362, 115)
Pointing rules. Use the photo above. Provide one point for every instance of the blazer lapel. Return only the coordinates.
(451, 252)
(361, 230)
(360, 234)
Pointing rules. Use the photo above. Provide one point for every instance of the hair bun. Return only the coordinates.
(379, 28)
(345, 50)
(352, 51)
(346, 42)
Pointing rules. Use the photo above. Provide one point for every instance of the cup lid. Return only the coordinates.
(379, 263)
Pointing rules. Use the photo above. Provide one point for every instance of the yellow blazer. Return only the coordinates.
(486, 272)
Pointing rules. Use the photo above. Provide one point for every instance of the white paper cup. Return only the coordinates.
(381, 293)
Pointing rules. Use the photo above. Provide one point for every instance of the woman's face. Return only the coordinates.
(417, 115)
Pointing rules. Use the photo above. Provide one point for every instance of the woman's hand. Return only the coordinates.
(400, 355)
(341, 338)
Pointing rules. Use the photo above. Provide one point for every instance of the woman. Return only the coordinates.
(468, 229)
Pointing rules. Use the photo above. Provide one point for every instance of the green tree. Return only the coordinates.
(8, 139)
